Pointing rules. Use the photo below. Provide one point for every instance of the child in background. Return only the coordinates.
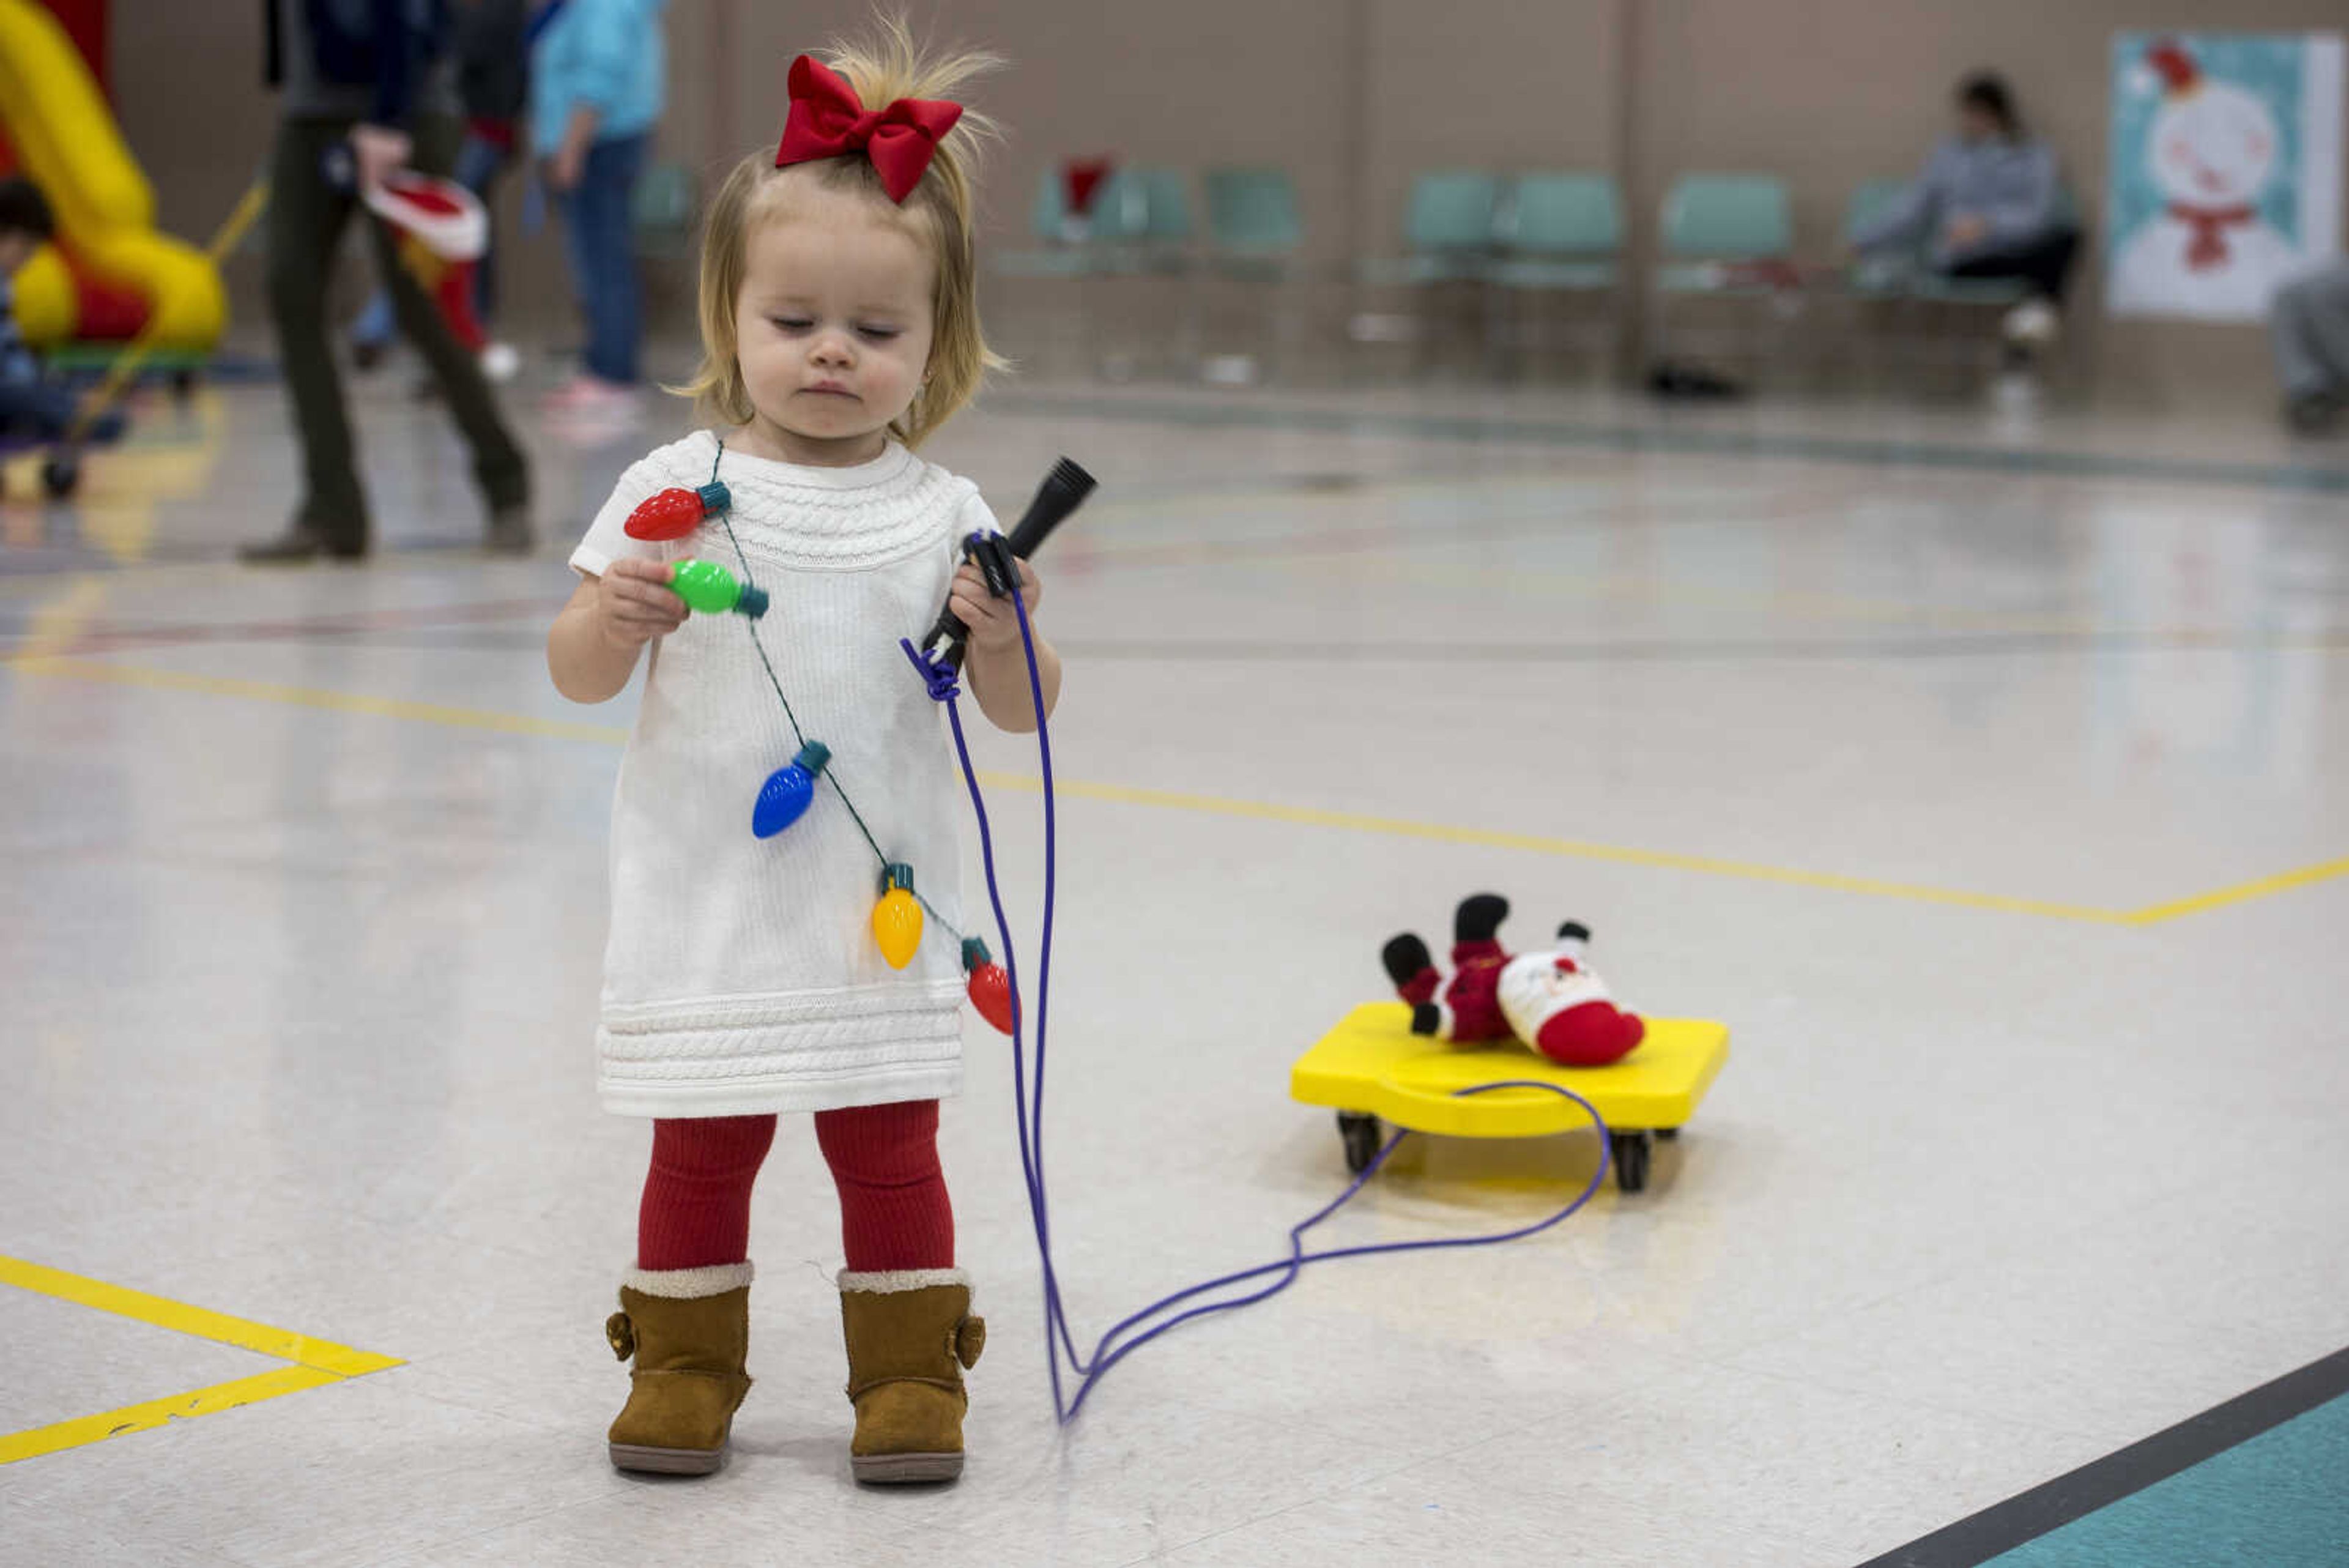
(742, 979)
(31, 406)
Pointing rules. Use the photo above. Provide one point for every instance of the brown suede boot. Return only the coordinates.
(910, 1335)
(689, 1330)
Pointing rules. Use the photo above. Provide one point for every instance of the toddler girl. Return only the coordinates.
(743, 978)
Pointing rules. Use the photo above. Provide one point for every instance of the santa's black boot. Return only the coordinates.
(1406, 957)
(1416, 978)
(1479, 918)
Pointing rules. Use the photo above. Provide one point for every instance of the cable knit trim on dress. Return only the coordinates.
(837, 519)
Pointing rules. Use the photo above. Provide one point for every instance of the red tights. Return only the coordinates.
(893, 1211)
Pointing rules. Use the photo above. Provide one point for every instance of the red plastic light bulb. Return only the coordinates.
(989, 986)
(677, 512)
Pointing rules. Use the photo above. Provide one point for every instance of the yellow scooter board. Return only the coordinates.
(1373, 1065)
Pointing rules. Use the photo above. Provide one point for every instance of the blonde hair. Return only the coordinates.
(886, 66)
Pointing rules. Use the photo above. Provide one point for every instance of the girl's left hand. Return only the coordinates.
(994, 623)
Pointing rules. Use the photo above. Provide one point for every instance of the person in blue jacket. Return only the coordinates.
(595, 96)
(1988, 205)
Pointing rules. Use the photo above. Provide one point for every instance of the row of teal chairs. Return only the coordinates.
(1565, 230)
(1554, 229)
(1543, 233)
(1559, 229)
(1140, 220)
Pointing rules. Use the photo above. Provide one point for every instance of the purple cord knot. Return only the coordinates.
(936, 674)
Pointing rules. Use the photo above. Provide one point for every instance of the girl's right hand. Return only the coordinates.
(634, 604)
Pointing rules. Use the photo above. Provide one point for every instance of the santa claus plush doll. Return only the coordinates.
(1549, 1000)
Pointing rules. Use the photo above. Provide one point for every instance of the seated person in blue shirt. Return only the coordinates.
(1990, 205)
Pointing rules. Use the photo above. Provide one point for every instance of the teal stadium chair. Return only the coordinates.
(1561, 234)
(1710, 219)
(1561, 231)
(1142, 232)
(1061, 236)
(1255, 235)
(662, 210)
(1448, 231)
(1711, 223)
(1449, 234)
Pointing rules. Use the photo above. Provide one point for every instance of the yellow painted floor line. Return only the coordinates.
(1396, 827)
(322, 1355)
(316, 1362)
(316, 697)
(2240, 893)
(153, 1413)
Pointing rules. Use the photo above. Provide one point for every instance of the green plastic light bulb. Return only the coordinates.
(710, 588)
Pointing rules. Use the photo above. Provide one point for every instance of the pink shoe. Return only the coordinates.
(591, 394)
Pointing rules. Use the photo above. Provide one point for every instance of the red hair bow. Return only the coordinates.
(828, 121)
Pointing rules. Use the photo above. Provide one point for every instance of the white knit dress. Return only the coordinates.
(742, 975)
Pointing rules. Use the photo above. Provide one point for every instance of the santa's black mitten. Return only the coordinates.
(1479, 918)
(1407, 959)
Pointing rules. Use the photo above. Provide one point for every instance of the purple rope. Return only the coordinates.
(1298, 1259)
(938, 676)
(1059, 1339)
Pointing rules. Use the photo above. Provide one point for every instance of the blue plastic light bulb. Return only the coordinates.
(784, 799)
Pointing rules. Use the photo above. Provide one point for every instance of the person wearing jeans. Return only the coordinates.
(596, 232)
(595, 96)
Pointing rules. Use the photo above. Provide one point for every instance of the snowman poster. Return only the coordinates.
(2225, 170)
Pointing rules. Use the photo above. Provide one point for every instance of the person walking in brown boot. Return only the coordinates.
(346, 91)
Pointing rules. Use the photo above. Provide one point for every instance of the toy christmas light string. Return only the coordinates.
(708, 588)
(1132, 1333)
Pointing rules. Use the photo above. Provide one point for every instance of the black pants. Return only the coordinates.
(306, 217)
(2044, 264)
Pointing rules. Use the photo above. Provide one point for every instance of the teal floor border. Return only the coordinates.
(2261, 1480)
(2280, 1501)
(2324, 479)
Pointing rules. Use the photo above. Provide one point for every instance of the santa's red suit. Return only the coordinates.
(1550, 1001)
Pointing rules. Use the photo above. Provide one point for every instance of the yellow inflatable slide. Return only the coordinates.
(66, 140)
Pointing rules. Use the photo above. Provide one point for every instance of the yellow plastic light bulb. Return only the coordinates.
(898, 918)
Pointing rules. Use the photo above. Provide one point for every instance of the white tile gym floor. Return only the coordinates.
(1986, 783)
